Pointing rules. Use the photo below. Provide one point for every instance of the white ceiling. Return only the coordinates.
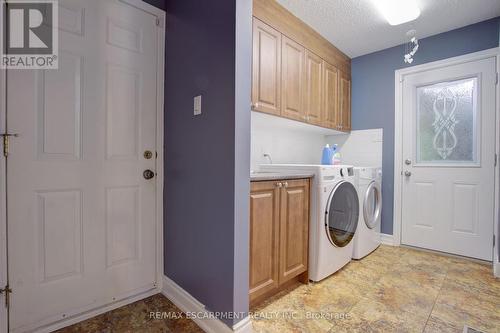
(356, 26)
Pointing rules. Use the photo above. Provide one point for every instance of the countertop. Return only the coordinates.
(263, 176)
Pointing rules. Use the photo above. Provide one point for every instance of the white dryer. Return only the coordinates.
(367, 237)
(334, 216)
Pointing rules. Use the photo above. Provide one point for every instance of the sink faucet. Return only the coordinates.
(269, 157)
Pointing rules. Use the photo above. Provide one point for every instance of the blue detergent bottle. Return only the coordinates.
(326, 158)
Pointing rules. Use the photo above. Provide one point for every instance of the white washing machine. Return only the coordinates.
(367, 237)
(334, 216)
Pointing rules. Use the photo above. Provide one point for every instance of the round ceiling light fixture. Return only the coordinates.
(398, 11)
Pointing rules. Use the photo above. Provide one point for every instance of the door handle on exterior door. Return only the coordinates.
(148, 174)
(407, 173)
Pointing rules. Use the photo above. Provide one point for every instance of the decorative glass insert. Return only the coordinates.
(446, 122)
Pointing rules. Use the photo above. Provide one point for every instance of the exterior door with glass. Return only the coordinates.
(449, 159)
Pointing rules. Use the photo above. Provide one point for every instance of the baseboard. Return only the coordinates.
(188, 304)
(387, 239)
(496, 269)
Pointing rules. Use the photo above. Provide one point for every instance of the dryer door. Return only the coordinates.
(372, 204)
(342, 213)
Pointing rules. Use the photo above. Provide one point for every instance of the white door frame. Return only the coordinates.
(160, 79)
(398, 139)
(3, 201)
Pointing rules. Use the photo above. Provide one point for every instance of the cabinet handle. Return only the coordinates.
(280, 185)
(286, 184)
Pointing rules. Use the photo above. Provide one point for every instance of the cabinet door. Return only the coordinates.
(313, 88)
(266, 77)
(294, 229)
(345, 103)
(292, 70)
(264, 238)
(331, 115)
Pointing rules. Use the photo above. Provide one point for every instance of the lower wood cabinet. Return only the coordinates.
(279, 234)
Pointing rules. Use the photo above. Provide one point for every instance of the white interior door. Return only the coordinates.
(81, 215)
(448, 159)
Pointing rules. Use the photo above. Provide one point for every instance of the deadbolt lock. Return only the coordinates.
(148, 154)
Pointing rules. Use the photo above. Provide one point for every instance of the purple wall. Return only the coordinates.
(373, 89)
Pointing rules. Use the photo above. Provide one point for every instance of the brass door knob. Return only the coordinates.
(148, 174)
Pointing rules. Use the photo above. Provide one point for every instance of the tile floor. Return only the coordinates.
(395, 289)
(135, 318)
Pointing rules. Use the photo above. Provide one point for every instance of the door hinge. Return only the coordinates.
(494, 240)
(6, 291)
(496, 159)
(6, 142)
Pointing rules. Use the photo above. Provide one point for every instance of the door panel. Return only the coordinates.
(266, 80)
(331, 96)
(448, 151)
(81, 215)
(345, 103)
(292, 70)
(59, 109)
(313, 96)
(264, 238)
(294, 227)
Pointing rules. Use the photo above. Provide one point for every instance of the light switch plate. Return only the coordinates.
(197, 105)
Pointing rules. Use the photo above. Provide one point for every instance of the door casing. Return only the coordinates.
(3, 203)
(160, 79)
(398, 139)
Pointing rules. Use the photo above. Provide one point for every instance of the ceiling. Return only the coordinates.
(357, 27)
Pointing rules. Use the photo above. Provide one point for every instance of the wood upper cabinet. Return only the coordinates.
(331, 103)
(292, 71)
(279, 236)
(294, 229)
(313, 88)
(297, 74)
(345, 103)
(264, 238)
(266, 77)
